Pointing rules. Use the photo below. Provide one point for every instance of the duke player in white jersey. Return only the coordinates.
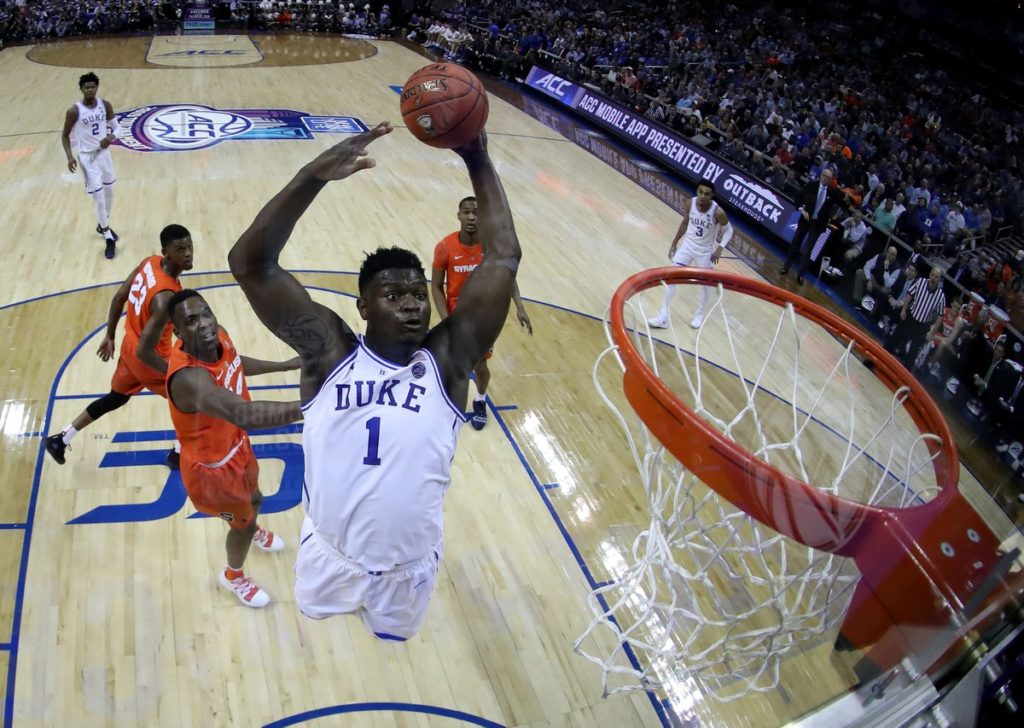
(702, 221)
(382, 411)
(92, 120)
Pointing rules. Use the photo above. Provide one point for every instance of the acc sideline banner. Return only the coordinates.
(734, 187)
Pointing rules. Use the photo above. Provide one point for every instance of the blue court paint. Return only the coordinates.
(158, 435)
(549, 486)
(503, 407)
(171, 499)
(396, 89)
(26, 544)
(659, 709)
(383, 708)
(12, 526)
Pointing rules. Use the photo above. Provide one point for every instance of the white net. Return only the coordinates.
(707, 593)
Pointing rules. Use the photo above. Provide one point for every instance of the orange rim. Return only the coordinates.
(790, 506)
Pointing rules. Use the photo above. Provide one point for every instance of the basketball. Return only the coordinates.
(444, 105)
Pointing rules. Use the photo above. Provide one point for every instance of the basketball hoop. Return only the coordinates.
(730, 497)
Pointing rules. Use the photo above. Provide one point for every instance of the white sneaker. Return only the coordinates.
(246, 590)
(658, 322)
(267, 540)
(698, 319)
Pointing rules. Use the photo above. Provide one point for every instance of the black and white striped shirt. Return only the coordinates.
(925, 303)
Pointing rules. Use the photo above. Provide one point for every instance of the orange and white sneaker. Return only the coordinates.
(267, 540)
(245, 589)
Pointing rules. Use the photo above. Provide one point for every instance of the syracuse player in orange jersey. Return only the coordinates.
(148, 288)
(455, 257)
(211, 410)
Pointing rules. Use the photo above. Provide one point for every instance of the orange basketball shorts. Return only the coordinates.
(132, 376)
(225, 491)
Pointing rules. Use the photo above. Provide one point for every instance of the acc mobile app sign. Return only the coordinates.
(736, 188)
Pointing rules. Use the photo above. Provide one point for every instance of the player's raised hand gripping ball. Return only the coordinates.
(444, 105)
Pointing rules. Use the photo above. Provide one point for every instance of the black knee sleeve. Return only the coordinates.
(107, 403)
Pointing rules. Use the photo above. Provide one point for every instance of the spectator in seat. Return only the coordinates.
(954, 230)
(878, 278)
(884, 216)
(855, 236)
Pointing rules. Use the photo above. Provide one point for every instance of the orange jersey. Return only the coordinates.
(150, 279)
(457, 261)
(208, 440)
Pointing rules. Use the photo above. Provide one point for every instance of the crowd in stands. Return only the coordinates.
(930, 163)
(930, 160)
(33, 20)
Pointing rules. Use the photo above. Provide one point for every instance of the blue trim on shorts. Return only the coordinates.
(391, 637)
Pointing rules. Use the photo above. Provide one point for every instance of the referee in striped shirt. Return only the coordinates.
(923, 303)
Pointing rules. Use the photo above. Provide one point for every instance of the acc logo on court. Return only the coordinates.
(201, 52)
(188, 127)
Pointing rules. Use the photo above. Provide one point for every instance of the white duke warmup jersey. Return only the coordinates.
(378, 442)
(91, 126)
(701, 230)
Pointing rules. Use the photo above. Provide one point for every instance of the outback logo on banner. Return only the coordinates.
(188, 127)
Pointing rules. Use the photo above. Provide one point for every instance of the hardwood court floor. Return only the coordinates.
(117, 619)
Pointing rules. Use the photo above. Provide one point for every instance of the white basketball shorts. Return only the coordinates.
(392, 604)
(687, 254)
(97, 169)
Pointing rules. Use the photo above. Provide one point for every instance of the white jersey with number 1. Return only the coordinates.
(378, 442)
(700, 237)
(91, 127)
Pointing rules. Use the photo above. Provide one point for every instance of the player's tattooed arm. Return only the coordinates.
(276, 295)
(193, 390)
(255, 367)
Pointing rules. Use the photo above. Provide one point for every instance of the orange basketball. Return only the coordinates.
(444, 105)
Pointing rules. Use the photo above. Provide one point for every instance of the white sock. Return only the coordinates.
(99, 204)
(177, 446)
(68, 433)
(480, 397)
(702, 296)
(108, 199)
(670, 292)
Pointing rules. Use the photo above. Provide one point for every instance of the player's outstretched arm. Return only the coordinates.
(484, 299)
(193, 390)
(278, 299)
(255, 367)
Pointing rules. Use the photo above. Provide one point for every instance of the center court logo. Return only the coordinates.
(188, 127)
(143, 463)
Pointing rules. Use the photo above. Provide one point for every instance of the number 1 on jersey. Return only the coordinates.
(373, 425)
